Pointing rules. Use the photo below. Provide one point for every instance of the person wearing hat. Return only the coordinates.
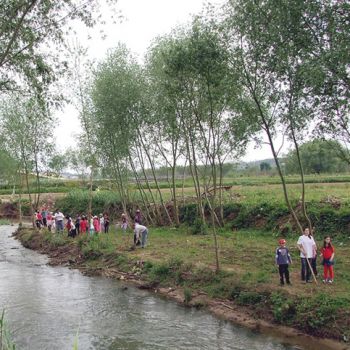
(283, 260)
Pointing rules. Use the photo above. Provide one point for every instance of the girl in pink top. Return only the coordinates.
(96, 224)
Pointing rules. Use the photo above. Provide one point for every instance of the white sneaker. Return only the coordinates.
(330, 281)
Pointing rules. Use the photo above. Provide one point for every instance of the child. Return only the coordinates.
(96, 223)
(38, 219)
(327, 253)
(50, 220)
(92, 229)
(283, 260)
(77, 224)
(102, 223)
(106, 222)
(138, 217)
(83, 224)
(124, 224)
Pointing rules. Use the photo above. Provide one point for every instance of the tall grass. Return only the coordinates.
(6, 342)
(77, 201)
(5, 222)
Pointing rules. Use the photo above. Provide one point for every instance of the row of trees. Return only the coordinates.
(255, 70)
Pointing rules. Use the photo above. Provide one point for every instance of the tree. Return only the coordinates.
(8, 166)
(329, 74)
(57, 163)
(270, 43)
(27, 29)
(317, 156)
(264, 166)
(27, 139)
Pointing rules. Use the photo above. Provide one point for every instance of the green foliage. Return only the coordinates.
(317, 156)
(319, 311)
(264, 166)
(6, 342)
(97, 245)
(187, 295)
(77, 201)
(188, 213)
(25, 28)
(249, 298)
(199, 227)
(283, 308)
(55, 239)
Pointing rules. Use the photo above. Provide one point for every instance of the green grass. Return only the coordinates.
(6, 342)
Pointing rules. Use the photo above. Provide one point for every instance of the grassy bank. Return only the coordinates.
(248, 278)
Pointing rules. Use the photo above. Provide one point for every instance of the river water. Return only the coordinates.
(48, 307)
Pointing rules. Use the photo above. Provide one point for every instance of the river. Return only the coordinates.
(48, 307)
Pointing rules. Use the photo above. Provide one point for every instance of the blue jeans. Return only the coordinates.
(59, 225)
(144, 235)
(305, 269)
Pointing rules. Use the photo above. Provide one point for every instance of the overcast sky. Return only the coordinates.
(142, 21)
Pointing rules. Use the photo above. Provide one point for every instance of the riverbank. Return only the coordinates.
(179, 266)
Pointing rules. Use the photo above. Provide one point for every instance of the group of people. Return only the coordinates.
(308, 257)
(57, 221)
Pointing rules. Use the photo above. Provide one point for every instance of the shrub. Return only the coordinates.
(199, 227)
(319, 311)
(159, 272)
(249, 298)
(187, 295)
(188, 213)
(283, 308)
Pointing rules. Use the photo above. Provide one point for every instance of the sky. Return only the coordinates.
(141, 22)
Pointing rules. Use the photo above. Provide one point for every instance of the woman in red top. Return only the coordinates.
(83, 225)
(327, 253)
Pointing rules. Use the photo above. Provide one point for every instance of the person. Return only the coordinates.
(49, 221)
(44, 216)
(83, 224)
(314, 259)
(92, 229)
(283, 260)
(59, 217)
(96, 224)
(53, 226)
(327, 252)
(72, 232)
(140, 231)
(138, 217)
(38, 219)
(102, 223)
(106, 222)
(77, 224)
(307, 247)
(124, 224)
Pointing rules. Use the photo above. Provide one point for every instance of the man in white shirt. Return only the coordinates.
(59, 217)
(140, 231)
(307, 246)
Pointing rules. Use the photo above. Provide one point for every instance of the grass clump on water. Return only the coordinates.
(6, 342)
